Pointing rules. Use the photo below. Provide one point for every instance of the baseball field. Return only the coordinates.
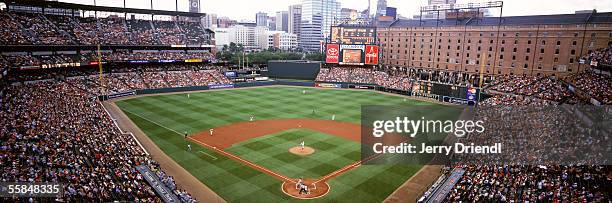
(253, 153)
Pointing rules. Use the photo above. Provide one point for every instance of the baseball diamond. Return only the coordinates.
(252, 157)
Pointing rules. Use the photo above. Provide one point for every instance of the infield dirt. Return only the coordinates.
(225, 136)
(302, 152)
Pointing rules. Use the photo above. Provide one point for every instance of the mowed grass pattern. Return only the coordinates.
(272, 151)
(236, 182)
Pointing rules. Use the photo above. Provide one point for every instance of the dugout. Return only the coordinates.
(294, 69)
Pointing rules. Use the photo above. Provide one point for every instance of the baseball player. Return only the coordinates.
(304, 189)
(303, 91)
(211, 132)
(302, 145)
(189, 147)
(333, 117)
(188, 96)
(251, 119)
(299, 182)
(185, 135)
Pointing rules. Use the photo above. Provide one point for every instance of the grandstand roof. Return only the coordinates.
(511, 20)
(64, 5)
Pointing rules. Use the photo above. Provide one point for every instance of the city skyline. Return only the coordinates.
(248, 8)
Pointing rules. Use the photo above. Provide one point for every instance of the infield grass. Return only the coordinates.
(272, 151)
(164, 118)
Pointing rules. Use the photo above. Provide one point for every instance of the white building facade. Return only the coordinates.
(282, 40)
(221, 37)
(250, 36)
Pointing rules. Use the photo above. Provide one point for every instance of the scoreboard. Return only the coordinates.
(351, 54)
(353, 35)
(352, 45)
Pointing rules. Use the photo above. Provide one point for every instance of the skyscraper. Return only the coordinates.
(271, 23)
(311, 34)
(381, 8)
(210, 20)
(282, 21)
(314, 11)
(261, 19)
(295, 19)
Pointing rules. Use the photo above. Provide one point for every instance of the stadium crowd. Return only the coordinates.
(33, 28)
(598, 86)
(145, 77)
(543, 88)
(10, 31)
(365, 76)
(531, 183)
(602, 56)
(27, 59)
(54, 132)
(57, 131)
(551, 154)
(510, 89)
(42, 30)
(161, 55)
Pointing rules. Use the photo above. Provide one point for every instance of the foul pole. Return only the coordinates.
(483, 60)
(100, 69)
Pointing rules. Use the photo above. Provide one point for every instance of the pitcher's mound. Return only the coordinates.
(302, 152)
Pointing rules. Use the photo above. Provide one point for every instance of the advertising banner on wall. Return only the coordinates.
(471, 93)
(221, 86)
(332, 53)
(328, 85)
(371, 56)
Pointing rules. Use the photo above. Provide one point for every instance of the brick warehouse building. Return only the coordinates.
(530, 45)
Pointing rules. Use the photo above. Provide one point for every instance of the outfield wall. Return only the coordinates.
(306, 70)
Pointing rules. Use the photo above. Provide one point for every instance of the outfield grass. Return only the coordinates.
(236, 182)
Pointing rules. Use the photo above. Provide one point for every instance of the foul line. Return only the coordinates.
(220, 151)
(211, 156)
(153, 122)
(121, 130)
(346, 168)
(351, 166)
(265, 170)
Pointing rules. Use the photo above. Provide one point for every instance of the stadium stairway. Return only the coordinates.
(191, 81)
(25, 31)
(125, 28)
(63, 32)
(216, 77)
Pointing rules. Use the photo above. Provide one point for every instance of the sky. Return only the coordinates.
(246, 9)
